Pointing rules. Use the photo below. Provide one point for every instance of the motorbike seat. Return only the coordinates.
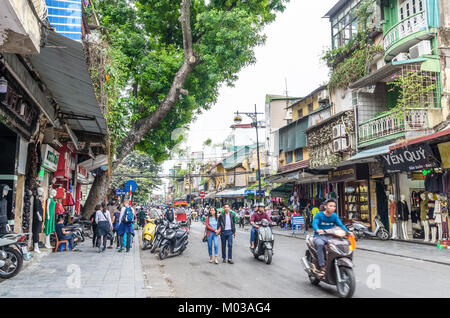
(180, 233)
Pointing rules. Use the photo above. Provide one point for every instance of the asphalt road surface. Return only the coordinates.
(377, 275)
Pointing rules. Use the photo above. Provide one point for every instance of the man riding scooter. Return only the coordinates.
(257, 217)
(323, 221)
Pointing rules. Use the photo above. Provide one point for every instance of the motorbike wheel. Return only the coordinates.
(89, 233)
(268, 256)
(145, 245)
(164, 252)
(82, 237)
(154, 246)
(13, 264)
(383, 235)
(347, 287)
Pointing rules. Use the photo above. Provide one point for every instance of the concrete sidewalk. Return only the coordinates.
(85, 274)
(412, 250)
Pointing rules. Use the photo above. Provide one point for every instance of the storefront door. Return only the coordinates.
(382, 204)
(8, 144)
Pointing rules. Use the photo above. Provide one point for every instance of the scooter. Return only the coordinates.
(175, 241)
(161, 226)
(339, 262)
(362, 231)
(13, 251)
(149, 234)
(264, 241)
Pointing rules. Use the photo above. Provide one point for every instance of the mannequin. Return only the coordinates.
(403, 215)
(438, 214)
(431, 217)
(49, 218)
(424, 216)
(393, 216)
(38, 213)
(4, 189)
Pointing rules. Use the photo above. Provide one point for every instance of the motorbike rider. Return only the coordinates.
(325, 220)
(258, 216)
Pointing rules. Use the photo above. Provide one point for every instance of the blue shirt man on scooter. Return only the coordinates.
(323, 221)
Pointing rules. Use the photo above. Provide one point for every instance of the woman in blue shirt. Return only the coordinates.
(213, 234)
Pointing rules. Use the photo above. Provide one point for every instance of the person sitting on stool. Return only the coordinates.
(63, 234)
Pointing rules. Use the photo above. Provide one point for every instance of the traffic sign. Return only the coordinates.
(131, 184)
(202, 194)
(121, 192)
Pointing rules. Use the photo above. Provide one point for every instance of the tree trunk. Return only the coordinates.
(143, 126)
(97, 194)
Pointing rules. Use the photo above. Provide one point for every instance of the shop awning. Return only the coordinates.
(283, 190)
(210, 195)
(439, 137)
(369, 153)
(231, 193)
(62, 67)
(92, 164)
(283, 177)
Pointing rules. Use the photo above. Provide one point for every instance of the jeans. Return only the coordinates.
(213, 238)
(252, 234)
(125, 241)
(319, 242)
(227, 237)
(70, 238)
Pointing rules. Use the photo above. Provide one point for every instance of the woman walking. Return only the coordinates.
(213, 234)
(116, 222)
(104, 226)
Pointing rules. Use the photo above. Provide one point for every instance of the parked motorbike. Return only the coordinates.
(161, 226)
(339, 262)
(362, 231)
(149, 234)
(264, 241)
(77, 230)
(13, 251)
(174, 241)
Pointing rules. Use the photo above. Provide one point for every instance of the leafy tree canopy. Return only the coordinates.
(146, 43)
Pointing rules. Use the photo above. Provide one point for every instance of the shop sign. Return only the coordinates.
(51, 157)
(83, 174)
(409, 159)
(120, 192)
(444, 149)
(19, 107)
(349, 173)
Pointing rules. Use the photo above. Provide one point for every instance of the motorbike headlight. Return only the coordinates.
(341, 249)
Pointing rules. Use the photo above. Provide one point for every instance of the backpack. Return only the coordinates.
(128, 217)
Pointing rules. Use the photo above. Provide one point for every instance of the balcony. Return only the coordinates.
(390, 125)
(406, 33)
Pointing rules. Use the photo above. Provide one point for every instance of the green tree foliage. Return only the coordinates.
(147, 50)
(138, 163)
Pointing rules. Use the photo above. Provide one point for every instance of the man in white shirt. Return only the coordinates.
(227, 230)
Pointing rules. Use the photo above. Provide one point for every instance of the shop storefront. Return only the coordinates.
(418, 188)
(65, 180)
(353, 191)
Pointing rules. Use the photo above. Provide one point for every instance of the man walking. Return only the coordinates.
(227, 230)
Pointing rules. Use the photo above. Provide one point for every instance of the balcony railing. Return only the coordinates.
(391, 123)
(413, 24)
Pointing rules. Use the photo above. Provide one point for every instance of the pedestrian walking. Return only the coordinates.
(116, 222)
(241, 217)
(126, 230)
(227, 230)
(104, 226)
(94, 226)
(212, 233)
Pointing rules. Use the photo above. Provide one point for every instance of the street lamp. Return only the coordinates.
(254, 117)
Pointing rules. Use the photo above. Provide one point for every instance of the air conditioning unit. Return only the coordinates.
(337, 145)
(323, 95)
(338, 131)
(421, 48)
(340, 144)
(400, 57)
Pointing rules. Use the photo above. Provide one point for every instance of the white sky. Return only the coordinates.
(295, 42)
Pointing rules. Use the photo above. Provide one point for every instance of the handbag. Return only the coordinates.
(205, 237)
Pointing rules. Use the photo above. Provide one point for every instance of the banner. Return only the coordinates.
(407, 159)
(444, 149)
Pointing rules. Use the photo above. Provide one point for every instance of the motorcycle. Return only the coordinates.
(13, 251)
(174, 241)
(339, 262)
(264, 241)
(149, 234)
(161, 226)
(77, 230)
(361, 230)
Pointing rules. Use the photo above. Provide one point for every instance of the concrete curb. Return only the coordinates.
(380, 252)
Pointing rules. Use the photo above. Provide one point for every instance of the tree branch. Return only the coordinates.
(144, 125)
